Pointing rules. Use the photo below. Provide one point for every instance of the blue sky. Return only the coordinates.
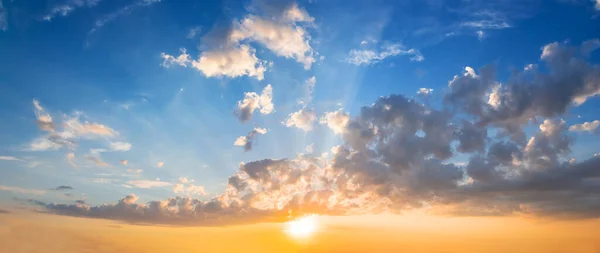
(115, 65)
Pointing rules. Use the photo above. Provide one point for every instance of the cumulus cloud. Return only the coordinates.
(591, 127)
(372, 56)
(336, 120)
(234, 57)
(303, 119)
(569, 81)
(253, 101)
(397, 154)
(248, 140)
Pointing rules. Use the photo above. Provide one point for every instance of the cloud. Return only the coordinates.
(71, 159)
(10, 158)
(303, 119)
(310, 148)
(308, 89)
(336, 121)
(95, 156)
(487, 20)
(248, 140)
(120, 146)
(398, 154)
(597, 6)
(369, 56)
(112, 16)
(424, 91)
(253, 101)
(21, 190)
(591, 127)
(62, 188)
(67, 7)
(3, 18)
(190, 189)
(124, 162)
(192, 32)
(160, 164)
(231, 54)
(146, 184)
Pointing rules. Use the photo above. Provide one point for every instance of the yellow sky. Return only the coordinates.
(382, 233)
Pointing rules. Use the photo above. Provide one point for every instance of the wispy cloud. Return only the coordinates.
(10, 158)
(21, 190)
(372, 56)
(65, 8)
(120, 12)
(145, 184)
(3, 18)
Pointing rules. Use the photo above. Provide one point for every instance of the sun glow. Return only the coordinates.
(302, 227)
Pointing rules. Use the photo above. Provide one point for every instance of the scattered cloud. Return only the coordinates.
(21, 190)
(62, 188)
(192, 32)
(248, 140)
(371, 56)
(124, 162)
(233, 56)
(310, 148)
(120, 146)
(424, 91)
(303, 119)
(591, 127)
(308, 89)
(112, 16)
(10, 158)
(253, 101)
(160, 164)
(67, 7)
(336, 120)
(71, 159)
(486, 20)
(146, 184)
(95, 156)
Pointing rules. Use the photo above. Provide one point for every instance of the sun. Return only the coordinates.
(302, 227)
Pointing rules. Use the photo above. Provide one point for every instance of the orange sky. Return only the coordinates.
(383, 233)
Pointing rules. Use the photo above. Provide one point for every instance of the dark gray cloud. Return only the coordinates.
(63, 188)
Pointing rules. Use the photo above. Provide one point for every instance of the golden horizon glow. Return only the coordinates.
(302, 227)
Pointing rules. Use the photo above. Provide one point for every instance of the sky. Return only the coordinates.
(196, 114)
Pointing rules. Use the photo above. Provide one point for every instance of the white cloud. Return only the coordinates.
(234, 57)
(336, 121)
(480, 34)
(10, 158)
(160, 164)
(253, 101)
(310, 148)
(591, 127)
(124, 162)
(67, 7)
(193, 32)
(369, 56)
(146, 184)
(424, 91)
(308, 89)
(120, 146)
(21, 190)
(43, 143)
(230, 62)
(285, 40)
(487, 20)
(303, 119)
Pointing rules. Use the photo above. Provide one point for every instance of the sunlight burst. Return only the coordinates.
(302, 227)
